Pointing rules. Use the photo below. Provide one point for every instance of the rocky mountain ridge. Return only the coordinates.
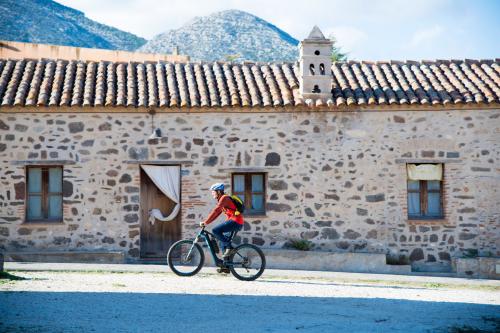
(48, 22)
(227, 35)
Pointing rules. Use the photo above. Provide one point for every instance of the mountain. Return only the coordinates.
(227, 35)
(47, 22)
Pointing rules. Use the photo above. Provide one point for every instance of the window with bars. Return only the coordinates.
(44, 194)
(250, 187)
(425, 198)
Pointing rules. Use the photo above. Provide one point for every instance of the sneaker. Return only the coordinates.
(223, 270)
(227, 253)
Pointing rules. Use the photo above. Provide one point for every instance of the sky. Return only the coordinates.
(365, 29)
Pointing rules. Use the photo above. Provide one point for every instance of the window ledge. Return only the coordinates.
(43, 162)
(41, 224)
(255, 216)
(428, 160)
(250, 169)
(437, 221)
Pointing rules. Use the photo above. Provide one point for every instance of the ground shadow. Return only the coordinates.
(350, 284)
(148, 312)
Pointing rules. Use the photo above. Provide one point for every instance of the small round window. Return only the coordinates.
(316, 52)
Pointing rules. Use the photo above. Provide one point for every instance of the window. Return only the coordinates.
(250, 188)
(425, 191)
(44, 193)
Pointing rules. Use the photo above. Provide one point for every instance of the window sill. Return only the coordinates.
(435, 221)
(42, 223)
(256, 216)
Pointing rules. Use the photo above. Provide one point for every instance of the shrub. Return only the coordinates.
(301, 244)
(470, 253)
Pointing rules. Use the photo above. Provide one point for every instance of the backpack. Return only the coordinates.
(240, 206)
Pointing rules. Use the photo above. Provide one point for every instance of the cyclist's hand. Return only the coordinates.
(202, 224)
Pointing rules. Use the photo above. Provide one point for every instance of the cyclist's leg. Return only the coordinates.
(223, 228)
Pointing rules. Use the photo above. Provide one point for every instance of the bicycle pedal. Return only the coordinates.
(223, 270)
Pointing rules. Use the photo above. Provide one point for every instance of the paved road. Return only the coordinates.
(158, 301)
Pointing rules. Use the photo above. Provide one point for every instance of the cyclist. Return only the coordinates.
(234, 221)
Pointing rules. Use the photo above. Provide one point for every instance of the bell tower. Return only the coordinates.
(315, 65)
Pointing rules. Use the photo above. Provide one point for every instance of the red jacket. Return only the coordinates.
(226, 205)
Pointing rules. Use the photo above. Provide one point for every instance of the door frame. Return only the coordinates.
(179, 216)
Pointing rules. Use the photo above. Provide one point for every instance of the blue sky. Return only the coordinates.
(368, 30)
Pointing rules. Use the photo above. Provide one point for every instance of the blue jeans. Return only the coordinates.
(223, 232)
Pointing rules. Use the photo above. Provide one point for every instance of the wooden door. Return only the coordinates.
(157, 238)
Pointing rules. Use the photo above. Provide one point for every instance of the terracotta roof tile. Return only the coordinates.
(462, 78)
(441, 84)
(182, 84)
(261, 85)
(46, 82)
(172, 89)
(282, 82)
(121, 85)
(100, 85)
(46, 85)
(90, 84)
(241, 85)
(401, 80)
(163, 97)
(67, 88)
(221, 84)
(152, 85)
(211, 85)
(20, 92)
(396, 88)
(363, 82)
(353, 84)
(231, 85)
(8, 98)
(192, 89)
(31, 98)
(142, 91)
(131, 85)
(343, 84)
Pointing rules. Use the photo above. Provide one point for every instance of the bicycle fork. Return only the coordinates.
(188, 256)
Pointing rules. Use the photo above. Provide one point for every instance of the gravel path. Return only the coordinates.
(152, 302)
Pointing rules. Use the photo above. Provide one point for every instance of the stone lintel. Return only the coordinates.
(43, 162)
(249, 169)
(428, 160)
(158, 162)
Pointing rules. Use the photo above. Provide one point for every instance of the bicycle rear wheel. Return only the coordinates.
(247, 262)
(179, 261)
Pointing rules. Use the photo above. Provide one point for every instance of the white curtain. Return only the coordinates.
(425, 171)
(167, 179)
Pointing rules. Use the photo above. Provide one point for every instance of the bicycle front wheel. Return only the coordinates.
(185, 258)
(247, 262)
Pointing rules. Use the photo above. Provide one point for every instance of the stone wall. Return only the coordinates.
(337, 179)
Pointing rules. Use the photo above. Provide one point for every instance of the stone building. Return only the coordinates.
(398, 158)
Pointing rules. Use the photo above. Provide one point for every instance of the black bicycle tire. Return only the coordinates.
(172, 266)
(261, 270)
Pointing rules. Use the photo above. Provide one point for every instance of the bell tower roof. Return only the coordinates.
(316, 33)
(316, 37)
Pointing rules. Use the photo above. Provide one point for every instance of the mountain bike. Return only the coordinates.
(186, 257)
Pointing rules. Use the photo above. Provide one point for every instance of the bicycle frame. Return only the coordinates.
(207, 237)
